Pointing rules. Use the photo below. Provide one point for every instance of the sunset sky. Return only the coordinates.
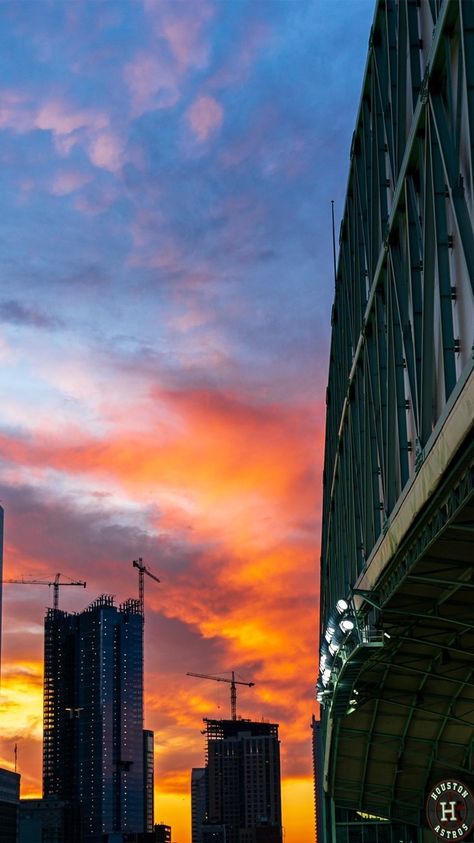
(167, 170)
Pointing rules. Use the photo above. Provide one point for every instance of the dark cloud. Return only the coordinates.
(17, 313)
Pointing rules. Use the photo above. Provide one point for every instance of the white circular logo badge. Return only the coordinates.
(450, 809)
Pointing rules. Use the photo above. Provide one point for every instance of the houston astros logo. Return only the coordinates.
(450, 810)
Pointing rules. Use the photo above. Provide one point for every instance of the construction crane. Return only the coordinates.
(142, 570)
(56, 583)
(233, 690)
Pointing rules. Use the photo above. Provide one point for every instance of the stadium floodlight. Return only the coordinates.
(326, 676)
(336, 642)
(330, 630)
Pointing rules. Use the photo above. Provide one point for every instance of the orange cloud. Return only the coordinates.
(230, 488)
(215, 445)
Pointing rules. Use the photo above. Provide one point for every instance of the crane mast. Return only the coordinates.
(142, 570)
(233, 690)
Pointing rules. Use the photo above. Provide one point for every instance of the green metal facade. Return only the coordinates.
(400, 390)
(403, 313)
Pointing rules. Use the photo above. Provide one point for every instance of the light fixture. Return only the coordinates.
(340, 624)
(326, 675)
(336, 642)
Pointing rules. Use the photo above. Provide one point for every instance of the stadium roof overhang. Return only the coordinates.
(413, 720)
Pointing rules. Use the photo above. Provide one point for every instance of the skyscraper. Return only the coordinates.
(198, 802)
(148, 780)
(243, 780)
(9, 804)
(93, 753)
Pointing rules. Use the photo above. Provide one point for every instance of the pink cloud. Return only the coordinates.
(205, 117)
(68, 181)
(154, 76)
(14, 112)
(70, 126)
(106, 151)
(59, 118)
(184, 39)
(182, 26)
(153, 83)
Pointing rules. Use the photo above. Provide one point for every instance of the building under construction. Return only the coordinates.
(243, 798)
(94, 756)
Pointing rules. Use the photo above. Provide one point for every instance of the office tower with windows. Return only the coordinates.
(243, 780)
(198, 802)
(162, 833)
(9, 804)
(148, 779)
(93, 755)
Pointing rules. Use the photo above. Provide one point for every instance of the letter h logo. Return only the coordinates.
(448, 814)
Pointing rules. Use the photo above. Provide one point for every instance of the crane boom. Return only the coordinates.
(56, 583)
(233, 690)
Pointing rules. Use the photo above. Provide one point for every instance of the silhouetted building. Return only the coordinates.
(44, 820)
(213, 834)
(317, 778)
(148, 779)
(9, 802)
(243, 781)
(162, 833)
(198, 802)
(93, 753)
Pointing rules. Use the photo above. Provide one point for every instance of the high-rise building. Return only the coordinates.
(317, 777)
(243, 780)
(93, 753)
(9, 781)
(9, 804)
(198, 802)
(43, 819)
(162, 833)
(148, 779)
(213, 834)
